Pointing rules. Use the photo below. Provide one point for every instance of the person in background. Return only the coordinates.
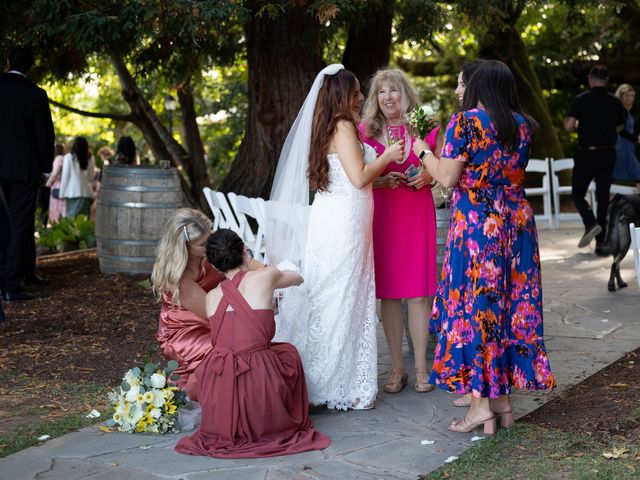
(404, 226)
(489, 302)
(56, 204)
(627, 165)
(181, 278)
(78, 174)
(597, 116)
(27, 139)
(126, 152)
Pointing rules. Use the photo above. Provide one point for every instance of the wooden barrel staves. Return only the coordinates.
(133, 205)
(442, 230)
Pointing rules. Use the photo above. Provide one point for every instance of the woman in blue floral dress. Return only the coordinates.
(488, 306)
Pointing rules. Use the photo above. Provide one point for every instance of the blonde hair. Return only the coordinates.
(624, 88)
(373, 117)
(172, 255)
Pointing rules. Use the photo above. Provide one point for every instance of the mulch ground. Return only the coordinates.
(607, 404)
(83, 333)
(61, 352)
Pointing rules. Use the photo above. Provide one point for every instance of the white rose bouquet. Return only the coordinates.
(148, 400)
(422, 119)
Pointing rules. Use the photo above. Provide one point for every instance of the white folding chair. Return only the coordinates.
(558, 166)
(230, 220)
(622, 189)
(218, 218)
(542, 166)
(635, 247)
(244, 207)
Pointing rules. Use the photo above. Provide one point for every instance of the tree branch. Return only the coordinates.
(112, 116)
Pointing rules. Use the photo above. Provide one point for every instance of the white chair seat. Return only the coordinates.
(558, 166)
(622, 189)
(541, 166)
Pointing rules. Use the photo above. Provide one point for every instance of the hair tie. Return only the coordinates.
(186, 233)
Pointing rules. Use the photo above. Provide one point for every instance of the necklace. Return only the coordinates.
(390, 139)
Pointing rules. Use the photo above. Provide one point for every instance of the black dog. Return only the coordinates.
(623, 210)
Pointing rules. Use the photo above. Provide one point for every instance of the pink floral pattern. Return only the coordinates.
(488, 307)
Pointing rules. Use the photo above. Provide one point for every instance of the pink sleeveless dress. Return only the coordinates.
(404, 232)
(183, 336)
(252, 392)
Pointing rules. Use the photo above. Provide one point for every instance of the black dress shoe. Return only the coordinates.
(36, 280)
(17, 296)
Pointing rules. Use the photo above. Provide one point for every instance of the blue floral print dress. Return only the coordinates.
(488, 307)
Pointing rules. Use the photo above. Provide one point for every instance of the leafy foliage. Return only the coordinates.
(78, 232)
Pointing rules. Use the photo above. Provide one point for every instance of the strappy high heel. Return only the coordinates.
(465, 426)
(397, 380)
(506, 419)
(422, 381)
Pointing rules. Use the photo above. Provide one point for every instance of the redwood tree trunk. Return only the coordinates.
(194, 163)
(284, 55)
(503, 42)
(369, 42)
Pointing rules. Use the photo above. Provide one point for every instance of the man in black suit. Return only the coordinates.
(26, 151)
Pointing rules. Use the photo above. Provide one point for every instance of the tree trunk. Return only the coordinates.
(507, 46)
(369, 42)
(284, 55)
(194, 164)
(162, 144)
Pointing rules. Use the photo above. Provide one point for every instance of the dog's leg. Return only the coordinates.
(611, 285)
(625, 244)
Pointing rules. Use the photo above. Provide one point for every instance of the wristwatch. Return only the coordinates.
(424, 153)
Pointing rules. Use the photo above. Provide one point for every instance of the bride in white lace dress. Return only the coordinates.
(331, 318)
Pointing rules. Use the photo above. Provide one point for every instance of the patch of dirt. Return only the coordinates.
(607, 404)
(79, 337)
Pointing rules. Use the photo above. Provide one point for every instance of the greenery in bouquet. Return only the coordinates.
(148, 399)
(422, 119)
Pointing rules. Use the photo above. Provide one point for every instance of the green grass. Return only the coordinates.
(530, 452)
(27, 435)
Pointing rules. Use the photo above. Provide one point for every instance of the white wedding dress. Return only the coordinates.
(331, 318)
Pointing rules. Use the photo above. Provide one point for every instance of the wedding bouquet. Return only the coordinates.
(422, 119)
(148, 400)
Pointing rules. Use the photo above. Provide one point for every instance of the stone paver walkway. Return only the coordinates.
(586, 328)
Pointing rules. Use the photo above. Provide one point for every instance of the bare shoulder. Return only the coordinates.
(345, 127)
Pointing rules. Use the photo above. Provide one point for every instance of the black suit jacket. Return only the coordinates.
(26, 130)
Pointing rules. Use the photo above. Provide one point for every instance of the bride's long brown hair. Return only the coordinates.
(335, 103)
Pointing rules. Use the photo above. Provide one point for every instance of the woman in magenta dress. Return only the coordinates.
(489, 303)
(404, 226)
(252, 392)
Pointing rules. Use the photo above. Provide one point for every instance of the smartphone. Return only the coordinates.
(412, 171)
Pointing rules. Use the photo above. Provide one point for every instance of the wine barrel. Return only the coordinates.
(442, 231)
(134, 203)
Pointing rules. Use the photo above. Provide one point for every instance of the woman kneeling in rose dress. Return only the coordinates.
(252, 392)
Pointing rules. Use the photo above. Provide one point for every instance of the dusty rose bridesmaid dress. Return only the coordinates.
(252, 392)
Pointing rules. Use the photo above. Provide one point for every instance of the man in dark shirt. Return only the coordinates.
(598, 116)
(27, 139)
